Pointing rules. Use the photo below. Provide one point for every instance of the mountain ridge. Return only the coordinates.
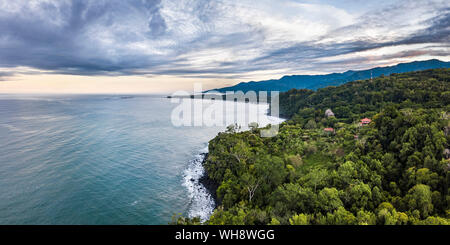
(315, 82)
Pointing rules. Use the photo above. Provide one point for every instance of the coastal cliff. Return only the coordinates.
(209, 184)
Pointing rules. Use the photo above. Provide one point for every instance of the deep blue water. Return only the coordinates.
(96, 160)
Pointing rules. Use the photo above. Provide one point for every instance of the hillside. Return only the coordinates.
(424, 89)
(392, 168)
(320, 81)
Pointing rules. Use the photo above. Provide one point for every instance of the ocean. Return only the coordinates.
(100, 159)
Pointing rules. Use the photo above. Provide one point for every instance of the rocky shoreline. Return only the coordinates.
(210, 185)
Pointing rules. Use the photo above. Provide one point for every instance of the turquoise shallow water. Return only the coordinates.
(96, 160)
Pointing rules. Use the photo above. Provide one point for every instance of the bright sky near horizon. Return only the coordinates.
(160, 46)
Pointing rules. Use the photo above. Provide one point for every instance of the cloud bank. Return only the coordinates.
(228, 39)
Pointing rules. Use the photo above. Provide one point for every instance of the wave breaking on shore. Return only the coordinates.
(201, 202)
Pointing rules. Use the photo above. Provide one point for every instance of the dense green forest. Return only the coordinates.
(393, 170)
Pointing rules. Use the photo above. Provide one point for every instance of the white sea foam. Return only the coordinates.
(201, 202)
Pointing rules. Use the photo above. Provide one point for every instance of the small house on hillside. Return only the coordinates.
(365, 121)
(446, 153)
(329, 113)
(329, 130)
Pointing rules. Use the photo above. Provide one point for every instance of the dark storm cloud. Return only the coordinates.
(66, 47)
(438, 31)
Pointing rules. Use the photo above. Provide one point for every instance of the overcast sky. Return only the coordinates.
(159, 46)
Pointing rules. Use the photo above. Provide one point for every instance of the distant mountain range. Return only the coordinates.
(333, 79)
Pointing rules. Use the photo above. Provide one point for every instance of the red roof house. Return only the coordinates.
(365, 121)
(331, 130)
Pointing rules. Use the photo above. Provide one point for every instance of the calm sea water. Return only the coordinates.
(98, 160)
